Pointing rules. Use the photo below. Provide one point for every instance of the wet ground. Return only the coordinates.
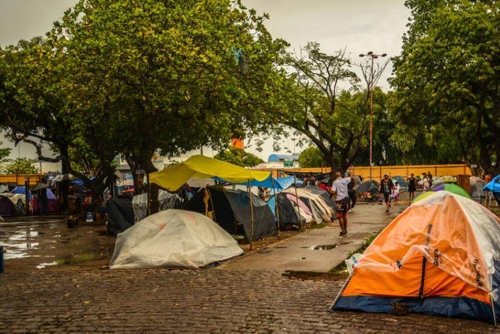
(35, 242)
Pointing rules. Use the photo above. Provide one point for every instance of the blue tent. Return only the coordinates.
(21, 190)
(493, 185)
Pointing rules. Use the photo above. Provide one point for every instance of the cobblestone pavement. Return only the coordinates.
(192, 301)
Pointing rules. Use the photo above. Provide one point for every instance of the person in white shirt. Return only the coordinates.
(341, 194)
(395, 192)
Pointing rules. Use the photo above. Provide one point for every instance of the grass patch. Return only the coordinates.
(317, 226)
(342, 267)
(78, 258)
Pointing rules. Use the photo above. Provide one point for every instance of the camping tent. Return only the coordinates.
(476, 188)
(291, 209)
(451, 187)
(174, 239)
(438, 257)
(201, 167)
(7, 207)
(120, 214)
(166, 200)
(232, 211)
(368, 186)
(321, 210)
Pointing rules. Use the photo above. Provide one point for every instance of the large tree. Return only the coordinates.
(322, 108)
(170, 75)
(447, 79)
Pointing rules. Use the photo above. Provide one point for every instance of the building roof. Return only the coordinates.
(282, 157)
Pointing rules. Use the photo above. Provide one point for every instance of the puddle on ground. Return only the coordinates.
(35, 242)
(324, 247)
(18, 240)
(45, 265)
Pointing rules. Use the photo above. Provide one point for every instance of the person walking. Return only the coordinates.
(412, 187)
(351, 190)
(386, 188)
(341, 194)
(42, 198)
(395, 192)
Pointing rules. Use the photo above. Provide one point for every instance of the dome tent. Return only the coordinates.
(438, 257)
(173, 239)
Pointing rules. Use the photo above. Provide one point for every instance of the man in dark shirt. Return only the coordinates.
(351, 190)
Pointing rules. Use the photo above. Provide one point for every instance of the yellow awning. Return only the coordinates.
(201, 167)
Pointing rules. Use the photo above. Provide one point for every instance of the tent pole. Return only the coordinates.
(493, 309)
(492, 300)
(276, 206)
(340, 292)
(149, 195)
(251, 212)
(297, 200)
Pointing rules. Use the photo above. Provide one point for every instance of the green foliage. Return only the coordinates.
(239, 157)
(133, 78)
(311, 157)
(447, 80)
(335, 121)
(342, 267)
(4, 152)
(19, 166)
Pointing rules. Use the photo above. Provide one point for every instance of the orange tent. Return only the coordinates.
(440, 256)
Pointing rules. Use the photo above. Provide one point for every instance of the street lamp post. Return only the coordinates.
(371, 86)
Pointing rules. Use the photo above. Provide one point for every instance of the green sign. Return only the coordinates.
(288, 163)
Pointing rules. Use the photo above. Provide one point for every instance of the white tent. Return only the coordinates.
(173, 239)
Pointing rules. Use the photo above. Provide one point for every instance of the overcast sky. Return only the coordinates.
(358, 26)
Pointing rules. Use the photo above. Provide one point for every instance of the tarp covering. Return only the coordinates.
(120, 214)
(493, 185)
(173, 239)
(271, 182)
(290, 210)
(321, 210)
(231, 210)
(439, 257)
(368, 186)
(201, 167)
(166, 200)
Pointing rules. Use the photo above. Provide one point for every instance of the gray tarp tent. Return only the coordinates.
(231, 210)
(173, 239)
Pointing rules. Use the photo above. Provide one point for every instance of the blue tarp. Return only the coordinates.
(493, 185)
(271, 182)
(21, 190)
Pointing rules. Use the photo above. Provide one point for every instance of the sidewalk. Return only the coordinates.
(319, 250)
